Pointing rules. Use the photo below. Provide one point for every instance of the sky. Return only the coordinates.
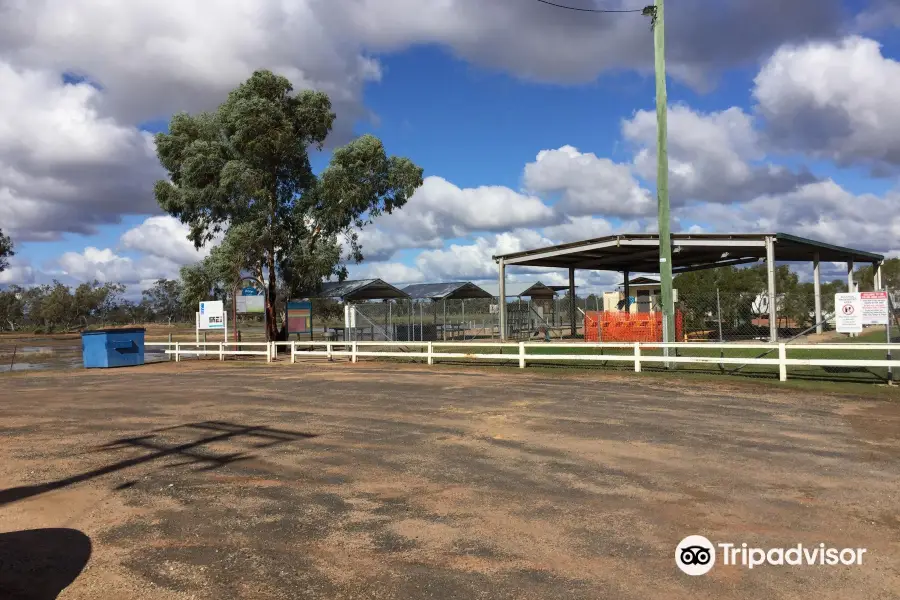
(534, 125)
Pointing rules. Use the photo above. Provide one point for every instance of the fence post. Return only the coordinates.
(177, 349)
(521, 355)
(169, 347)
(430, 353)
(293, 352)
(637, 357)
(221, 351)
(269, 352)
(328, 349)
(782, 366)
(353, 351)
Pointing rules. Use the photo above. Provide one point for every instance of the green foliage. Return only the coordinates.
(199, 282)
(162, 300)
(739, 289)
(12, 308)
(56, 307)
(890, 275)
(245, 168)
(6, 251)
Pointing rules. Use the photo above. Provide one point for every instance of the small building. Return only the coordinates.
(643, 296)
(531, 306)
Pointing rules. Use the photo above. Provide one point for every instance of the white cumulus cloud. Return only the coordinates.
(587, 184)
(164, 237)
(835, 100)
(64, 166)
(713, 157)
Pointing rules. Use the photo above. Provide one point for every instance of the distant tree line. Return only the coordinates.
(739, 295)
(58, 308)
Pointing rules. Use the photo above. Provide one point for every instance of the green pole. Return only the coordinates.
(662, 175)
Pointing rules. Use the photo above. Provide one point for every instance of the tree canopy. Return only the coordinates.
(245, 170)
(6, 250)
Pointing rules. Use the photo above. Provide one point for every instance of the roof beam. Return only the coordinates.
(619, 258)
(727, 263)
(559, 252)
(713, 243)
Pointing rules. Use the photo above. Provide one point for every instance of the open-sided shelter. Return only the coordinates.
(639, 253)
(361, 290)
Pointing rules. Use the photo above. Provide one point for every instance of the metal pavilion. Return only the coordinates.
(361, 290)
(639, 253)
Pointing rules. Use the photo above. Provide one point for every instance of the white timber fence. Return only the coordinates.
(637, 353)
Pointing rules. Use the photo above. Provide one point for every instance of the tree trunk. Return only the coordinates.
(271, 320)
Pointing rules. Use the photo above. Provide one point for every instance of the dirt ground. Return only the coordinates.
(205, 480)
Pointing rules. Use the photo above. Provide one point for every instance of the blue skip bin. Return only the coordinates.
(105, 348)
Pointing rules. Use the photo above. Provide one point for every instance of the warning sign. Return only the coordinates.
(848, 313)
(874, 308)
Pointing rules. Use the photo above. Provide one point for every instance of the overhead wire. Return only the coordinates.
(593, 10)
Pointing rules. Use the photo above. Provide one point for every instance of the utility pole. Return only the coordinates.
(657, 14)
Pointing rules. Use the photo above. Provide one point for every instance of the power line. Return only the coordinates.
(591, 10)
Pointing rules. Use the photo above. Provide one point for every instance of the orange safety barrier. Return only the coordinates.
(627, 327)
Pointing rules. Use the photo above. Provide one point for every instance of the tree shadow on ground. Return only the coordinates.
(194, 452)
(38, 564)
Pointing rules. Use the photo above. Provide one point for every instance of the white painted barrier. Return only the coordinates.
(776, 355)
(199, 349)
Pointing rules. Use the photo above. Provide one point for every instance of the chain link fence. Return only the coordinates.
(704, 315)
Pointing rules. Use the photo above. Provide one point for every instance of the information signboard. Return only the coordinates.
(211, 315)
(874, 308)
(848, 313)
(251, 304)
(299, 317)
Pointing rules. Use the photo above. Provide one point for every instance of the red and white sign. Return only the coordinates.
(874, 308)
(848, 313)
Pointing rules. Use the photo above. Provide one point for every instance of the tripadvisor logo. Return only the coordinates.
(696, 555)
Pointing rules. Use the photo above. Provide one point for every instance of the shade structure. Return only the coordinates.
(639, 253)
(361, 290)
(457, 290)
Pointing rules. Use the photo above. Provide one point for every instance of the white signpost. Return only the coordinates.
(212, 317)
(848, 313)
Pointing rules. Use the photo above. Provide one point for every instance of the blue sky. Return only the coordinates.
(764, 134)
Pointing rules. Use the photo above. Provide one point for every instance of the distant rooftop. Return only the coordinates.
(361, 289)
(525, 290)
(455, 290)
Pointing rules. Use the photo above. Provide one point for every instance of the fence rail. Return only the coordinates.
(636, 353)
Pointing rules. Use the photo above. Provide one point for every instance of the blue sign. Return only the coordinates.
(249, 291)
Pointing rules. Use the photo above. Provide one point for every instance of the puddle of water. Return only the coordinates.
(23, 366)
(63, 358)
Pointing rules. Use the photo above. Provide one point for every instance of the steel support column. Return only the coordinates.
(817, 291)
(502, 299)
(572, 320)
(773, 308)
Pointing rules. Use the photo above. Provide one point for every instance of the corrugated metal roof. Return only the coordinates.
(521, 289)
(639, 253)
(446, 291)
(361, 289)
